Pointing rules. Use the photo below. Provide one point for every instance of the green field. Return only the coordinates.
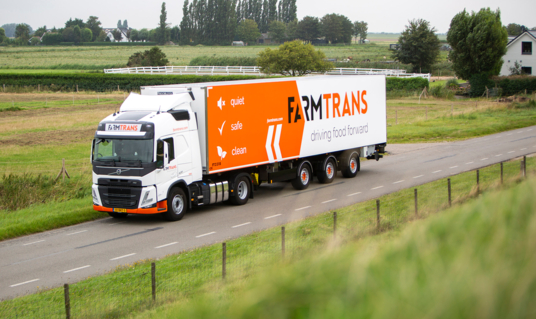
(190, 283)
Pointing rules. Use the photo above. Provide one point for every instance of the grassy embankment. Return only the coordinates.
(463, 262)
(33, 141)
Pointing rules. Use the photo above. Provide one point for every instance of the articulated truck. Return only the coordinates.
(174, 147)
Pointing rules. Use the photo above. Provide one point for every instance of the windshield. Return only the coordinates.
(122, 150)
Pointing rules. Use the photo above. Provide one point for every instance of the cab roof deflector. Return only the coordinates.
(153, 103)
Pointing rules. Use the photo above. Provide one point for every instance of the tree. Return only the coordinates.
(68, 34)
(35, 41)
(418, 45)
(119, 24)
(134, 35)
(162, 34)
(118, 35)
(40, 31)
(2, 35)
(478, 42)
(277, 31)
(248, 31)
(336, 28)
(125, 24)
(308, 29)
(102, 36)
(71, 23)
(152, 57)
(22, 31)
(9, 28)
(52, 38)
(77, 34)
(293, 58)
(360, 30)
(175, 34)
(144, 35)
(86, 35)
(94, 24)
(292, 30)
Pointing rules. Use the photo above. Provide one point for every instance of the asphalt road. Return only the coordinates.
(70, 254)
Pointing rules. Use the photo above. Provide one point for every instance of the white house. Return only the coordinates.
(109, 34)
(521, 50)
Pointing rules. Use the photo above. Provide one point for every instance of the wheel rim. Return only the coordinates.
(177, 204)
(330, 170)
(242, 190)
(353, 165)
(304, 176)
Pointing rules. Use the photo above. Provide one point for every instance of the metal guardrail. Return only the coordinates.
(254, 70)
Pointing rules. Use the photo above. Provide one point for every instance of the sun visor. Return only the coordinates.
(163, 103)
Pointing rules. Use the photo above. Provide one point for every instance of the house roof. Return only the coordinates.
(529, 33)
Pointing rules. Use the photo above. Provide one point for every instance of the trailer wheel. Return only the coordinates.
(117, 215)
(350, 164)
(242, 190)
(326, 174)
(304, 177)
(177, 205)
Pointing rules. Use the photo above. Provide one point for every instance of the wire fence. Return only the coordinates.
(149, 283)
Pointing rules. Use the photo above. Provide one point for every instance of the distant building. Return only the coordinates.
(110, 35)
(238, 43)
(521, 50)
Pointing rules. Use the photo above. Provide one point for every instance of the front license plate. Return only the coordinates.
(120, 210)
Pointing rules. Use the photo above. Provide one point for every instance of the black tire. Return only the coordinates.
(326, 173)
(303, 180)
(177, 205)
(117, 215)
(350, 165)
(241, 190)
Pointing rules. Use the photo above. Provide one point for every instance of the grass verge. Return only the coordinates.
(196, 274)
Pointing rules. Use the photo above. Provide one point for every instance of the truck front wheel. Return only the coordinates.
(304, 177)
(242, 189)
(176, 203)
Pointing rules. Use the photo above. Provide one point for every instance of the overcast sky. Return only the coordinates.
(382, 16)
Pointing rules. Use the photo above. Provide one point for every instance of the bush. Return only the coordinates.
(223, 61)
(478, 83)
(152, 57)
(407, 84)
(441, 92)
(105, 82)
(515, 84)
(452, 84)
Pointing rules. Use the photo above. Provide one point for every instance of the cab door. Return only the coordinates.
(183, 155)
(166, 172)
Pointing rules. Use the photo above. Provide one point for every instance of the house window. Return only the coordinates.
(526, 70)
(526, 48)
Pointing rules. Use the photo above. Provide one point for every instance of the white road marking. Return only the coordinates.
(485, 158)
(331, 200)
(469, 163)
(436, 172)
(523, 149)
(125, 256)
(23, 283)
(244, 224)
(453, 167)
(398, 182)
(35, 242)
(78, 232)
(116, 224)
(418, 176)
(376, 188)
(79, 268)
(273, 216)
(302, 208)
(166, 245)
(511, 152)
(498, 155)
(207, 234)
(353, 194)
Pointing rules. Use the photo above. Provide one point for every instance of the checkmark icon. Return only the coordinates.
(221, 129)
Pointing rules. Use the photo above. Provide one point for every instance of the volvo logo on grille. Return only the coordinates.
(119, 171)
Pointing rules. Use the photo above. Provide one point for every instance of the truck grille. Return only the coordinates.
(120, 197)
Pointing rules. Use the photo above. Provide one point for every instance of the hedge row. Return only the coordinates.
(100, 82)
(516, 84)
(407, 84)
(108, 44)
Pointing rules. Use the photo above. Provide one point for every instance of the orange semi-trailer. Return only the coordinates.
(178, 146)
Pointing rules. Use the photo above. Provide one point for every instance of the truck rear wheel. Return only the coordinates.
(326, 174)
(304, 177)
(177, 205)
(242, 189)
(349, 164)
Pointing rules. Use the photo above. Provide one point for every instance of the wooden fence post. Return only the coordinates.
(334, 224)
(416, 207)
(224, 261)
(63, 171)
(67, 301)
(153, 280)
(450, 198)
(77, 88)
(283, 241)
(378, 214)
